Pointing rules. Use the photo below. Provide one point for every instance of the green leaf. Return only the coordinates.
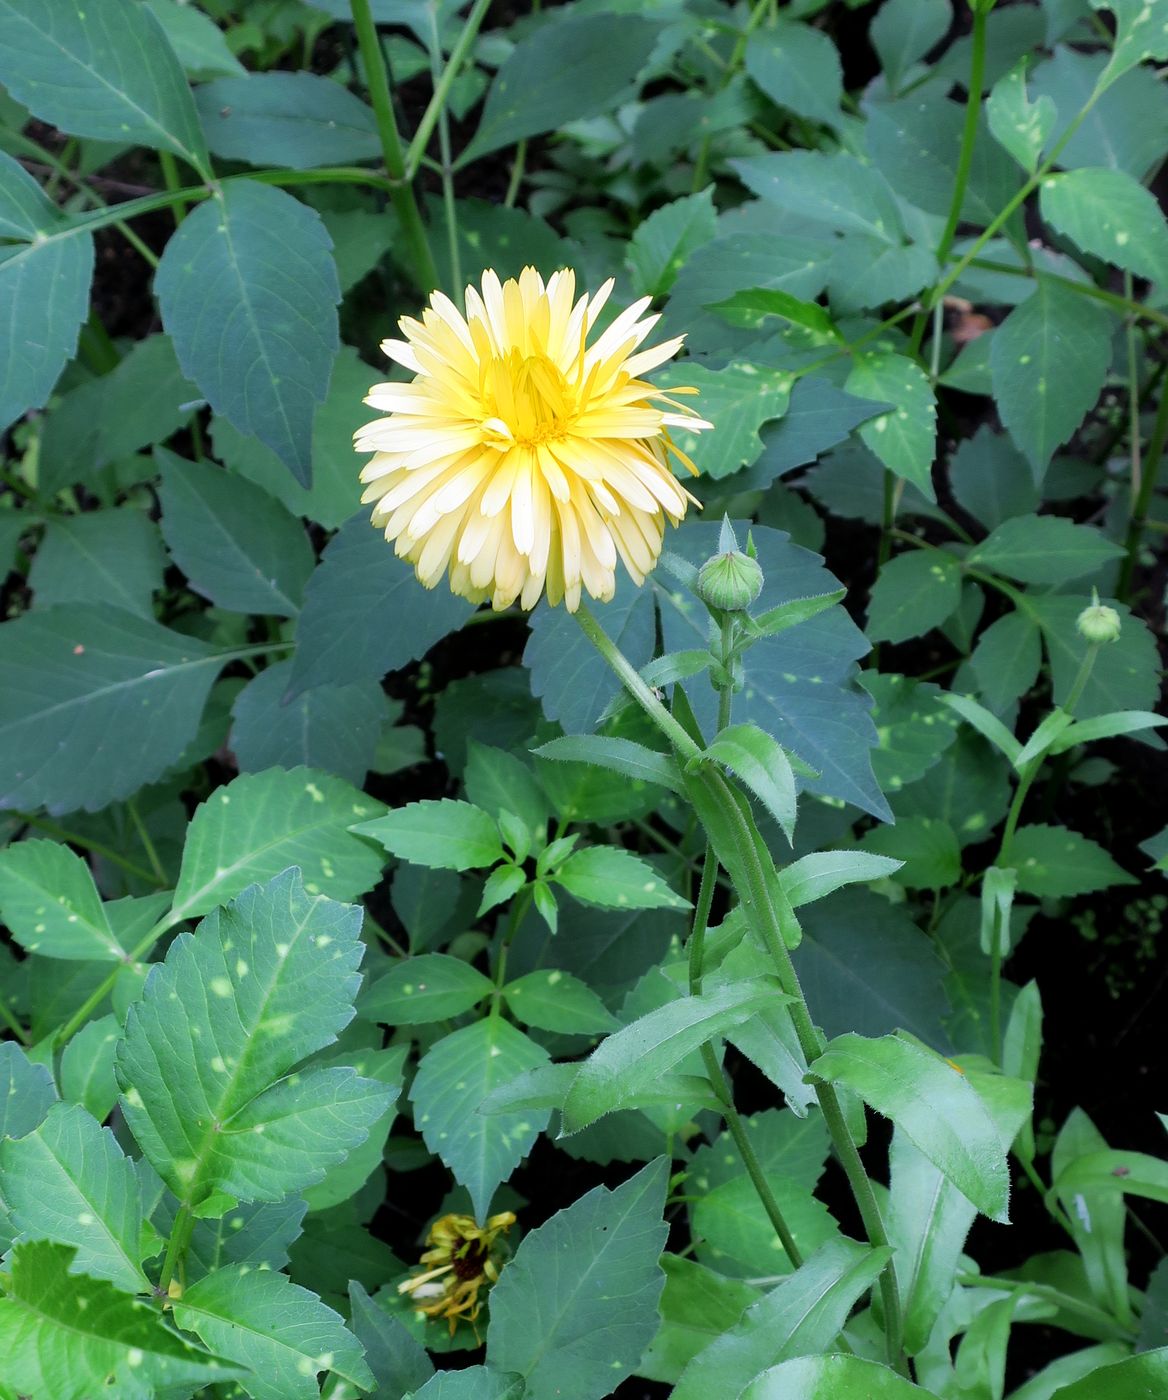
(927, 848)
(333, 728)
(1051, 860)
(696, 1307)
(1007, 659)
(631, 1059)
(662, 243)
(1021, 126)
(108, 73)
(1096, 1216)
(69, 1181)
(198, 42)
(528, 94)
(1106, 727)
(1139, 34)
(833, 1378)
(798, 68)
(616, 879)
(867, 272)
(1110, 215)
(72, 1337)
(51, 905)
(257, 1235)
(737, 1237)
(345, 1179)
(602, 1312)
(102, 556)
(95, 702)
(836, 190)
(443, 834)
(499, 782)
(1141, 1377)
(432, 987)
(87, 1067)
(933, 1104)
(804, 1314)
(268, 980)
(740, 398)
(475, 1383)
(248, 292)
(341, 635)
(903, 32)
(236, 545)
(622, 756)
(762, 765)
(904, 438)
(988, 475)
(27, 1092)
(1048, 360)
(815, 876)
(913, 593)
(986, 724)
(262, 823)
(453, 1079)
(282, 1333)
(751, 307)
(296, 120)
(1126, 675)
(398, 1362)
(1046, 549)
(557, 1001)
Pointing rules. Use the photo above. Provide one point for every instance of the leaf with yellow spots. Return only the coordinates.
(904, 438)
(616, 879)
(205, 1065)
(51, 905)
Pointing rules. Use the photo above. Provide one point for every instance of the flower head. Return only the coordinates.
(521, 459)
(462, 1258)
(1099, 623)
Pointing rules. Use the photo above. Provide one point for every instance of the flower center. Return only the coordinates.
(526, 400)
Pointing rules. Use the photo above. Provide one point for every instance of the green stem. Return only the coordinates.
(10, 1020)
(99, 848)
(1066, 1301)
(969, 133)
(518, 165)
(1086, 666)
(176, 1246)
(1133, 395)
(437, 104)
(1125, 305)
(1139, 517)
(103, 989)
(147, 844)
(173, 183)
(519, 907)
(450, 209)
(401, 192)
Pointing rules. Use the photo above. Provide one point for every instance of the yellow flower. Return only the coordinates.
(521, 458)
(463, 1259)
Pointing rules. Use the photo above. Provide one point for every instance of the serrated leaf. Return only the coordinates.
(27, 1091)
(237, 546)
(1046, 549)
(69, 1181)
(498, 782)
(836, 190)
(432, 987)
(557, 1001)
(622, 756)
(453, 1079)
(905, 30)
(616, 879)
(740, 397)
(603, 1311)
(248, 292)
(926, 847)
(94, 702)
(399, 1363)
(1110, 216)
(107, 72)
(833, 1378)
(1127, 674)
(913, 593)
(262, 823)
(798, 68)
(295, 120)
(1051, 860)
(1007, 659)
(1048, 360)
(475, 1383)
(268, 980)
(71, 1337)
(51, 905)
(760, 762)
(904, 438)
(444, 834)
(1021, 126)
(87, 1066)
(101, 556)
(662, 243)
(933, 1104)
(256, 1234)
(867, 272)
(1139, 34)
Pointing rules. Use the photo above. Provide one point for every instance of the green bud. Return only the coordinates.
(729, 582)
(1099, 623)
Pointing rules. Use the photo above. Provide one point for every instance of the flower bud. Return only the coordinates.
(1099, 623)
(729, 581)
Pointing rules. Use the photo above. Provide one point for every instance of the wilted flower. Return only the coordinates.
(463, 1258)
(521, 458)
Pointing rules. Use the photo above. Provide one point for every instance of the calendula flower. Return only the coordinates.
(521, 459)
(462, 1258)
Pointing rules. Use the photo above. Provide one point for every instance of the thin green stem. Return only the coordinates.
(103, 989)
(968, 134)
(1086, 666)
(437, 103)
(1139, 517)
(1126, 305)
(519, 907)
(176, 1246)
(1133, 395)
(1066, 1301)
(518, 165)
(87, 843)
(173, 183)
(147, 844)
(449, 207)
(401, 191)
(10, 1020)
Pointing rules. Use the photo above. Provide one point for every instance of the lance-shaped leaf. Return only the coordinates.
(69, 1181)
(833, 1378)
(71, 1337)
(264, 983)
(760, 762)
(442, 834)
(577, 1332)
(51, 905)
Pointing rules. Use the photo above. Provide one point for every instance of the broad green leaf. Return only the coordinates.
(333, 728)
(236, 545)
(904, 438)
(262, 823)
(248, 293)
(662, 243)
(750, 309)
(342, 635)
(836, 190)
(1021, 126)
(442, 833)
(399, 1363)
(69, 1181)
(432, 987)
(101, 556)
(867, 272)
(297, 120)
(94, 702)
(1127, 674)
(798, 68)
(833, 1378)
(904, 31)
(933, 1104)
(1046, 549)
(697, 1307)
(51, 905)
(803, 1315)
(557, 1001)
(528, 94)
(736, 1237)
(632, 1058)
(256, 1234)
(988, 475)
(1142, 1377)
(1132, 1173)
(345, 1179)
(622, 756)
(283, 1334)
(1007, 659)
(107, 72)
(602, 1312)
(1054, 861)
(71, 1337)
(821, 873)
(198, 42)
(27, 1091)
(499, 782)
(914, 592)
(1110, 216)
(453, 1079)
(1049, 359)
(1139, 34)
(1096, 1216)
(44, 282)
(927, 848)
(762, 765)
(475, 1383)
(1049, 1381)
(818, 417)
(87, 1066)
(740, 397)
(268, 980)
(616, 879)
